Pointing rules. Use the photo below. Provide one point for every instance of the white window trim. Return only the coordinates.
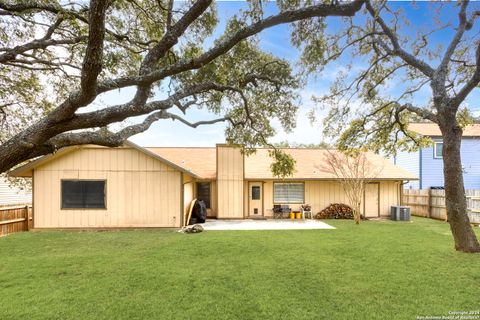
(287, 202)
(435, 150)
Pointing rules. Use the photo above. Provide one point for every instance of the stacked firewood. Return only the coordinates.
(335, 211)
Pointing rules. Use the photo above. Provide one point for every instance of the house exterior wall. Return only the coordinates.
(11, 195)
(320, 194)
(409, 161)
(188, 193)
(471, 163)
(212, 211)
(246, 198)
(268, 199)
(389, 196)
(230, 182)
(430, 169)
(140, 191)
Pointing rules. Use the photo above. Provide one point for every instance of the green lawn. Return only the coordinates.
(378, 270)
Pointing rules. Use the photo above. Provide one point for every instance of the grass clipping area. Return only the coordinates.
(377, 270)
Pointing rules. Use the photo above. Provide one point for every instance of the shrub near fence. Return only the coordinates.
(431, 203)
(15, 219)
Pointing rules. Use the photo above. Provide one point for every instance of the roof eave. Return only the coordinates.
(160, 158)
(26, 170)
(327, 179)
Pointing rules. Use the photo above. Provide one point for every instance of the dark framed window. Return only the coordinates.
(437, 150)
(288, 192)
(255, 193)
(203, 192)
(83, 194)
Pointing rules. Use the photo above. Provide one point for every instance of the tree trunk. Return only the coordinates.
(357, 214)
(455, 199)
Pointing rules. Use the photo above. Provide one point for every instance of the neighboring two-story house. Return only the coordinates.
(427, 163)
(11, 195)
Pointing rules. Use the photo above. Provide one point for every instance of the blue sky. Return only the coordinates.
(277, 41)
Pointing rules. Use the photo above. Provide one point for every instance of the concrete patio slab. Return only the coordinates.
(249, 224)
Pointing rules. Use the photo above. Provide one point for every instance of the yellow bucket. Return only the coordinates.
(298, 215)
(292, 215)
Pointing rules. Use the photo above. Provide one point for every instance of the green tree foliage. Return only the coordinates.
(388, 64)
(58, 57)
(286, 144)
(383, 72)
(283, 164)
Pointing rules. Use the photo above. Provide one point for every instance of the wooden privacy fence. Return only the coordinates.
(431, 203)
(15, 219)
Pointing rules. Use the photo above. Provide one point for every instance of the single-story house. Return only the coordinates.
(130, 186)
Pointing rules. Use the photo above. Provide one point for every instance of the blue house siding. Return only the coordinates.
(430, 172)
(432, 169)
(471, 163)
(409, 161)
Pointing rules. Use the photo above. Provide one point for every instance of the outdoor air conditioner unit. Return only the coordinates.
(400, 213)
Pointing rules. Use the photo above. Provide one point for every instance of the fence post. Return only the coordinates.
(26, 218)
(429, 209)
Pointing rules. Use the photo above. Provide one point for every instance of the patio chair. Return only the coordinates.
(307, 211)
(286, 209)
(277, 211)
(307, 214)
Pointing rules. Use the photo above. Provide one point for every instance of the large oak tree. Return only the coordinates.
(57, 57)
(389, 63)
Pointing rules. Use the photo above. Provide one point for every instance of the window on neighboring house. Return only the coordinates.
(437, 149)
(285, 192)
(83, 194)
(203, 192)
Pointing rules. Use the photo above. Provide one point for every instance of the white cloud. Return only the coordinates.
(305, 132)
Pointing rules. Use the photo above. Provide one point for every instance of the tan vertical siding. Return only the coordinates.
(212, 212)
(246, 199)
(191, 183)
(268, 198)
(230, 171)
(188, 196)
(187, 178)
(140, 191)
(389, 196)
(188, 192)
(320, 194)
(371, 206)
